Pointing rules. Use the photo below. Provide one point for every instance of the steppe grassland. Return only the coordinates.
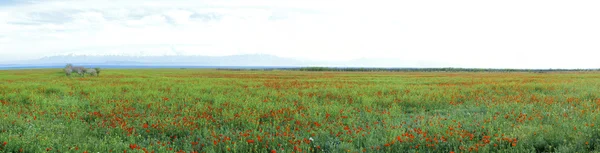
(198, 110)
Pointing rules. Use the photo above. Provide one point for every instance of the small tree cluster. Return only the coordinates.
(80, 70)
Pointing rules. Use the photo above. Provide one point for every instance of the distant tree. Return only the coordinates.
(97, 71)
(79, 70)
(84, 71)
(92, 72)
(68, 69)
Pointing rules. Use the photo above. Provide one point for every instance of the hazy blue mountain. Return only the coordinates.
(233, 60)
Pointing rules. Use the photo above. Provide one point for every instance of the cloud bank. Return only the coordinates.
(464, 33)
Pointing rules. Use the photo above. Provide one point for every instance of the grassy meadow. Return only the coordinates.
(198, 110)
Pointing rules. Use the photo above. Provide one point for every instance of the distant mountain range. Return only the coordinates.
(233, 60)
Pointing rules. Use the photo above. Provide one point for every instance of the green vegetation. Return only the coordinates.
(194, 110)
(449, 69)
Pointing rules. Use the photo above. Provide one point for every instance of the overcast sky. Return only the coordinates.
(463, 33)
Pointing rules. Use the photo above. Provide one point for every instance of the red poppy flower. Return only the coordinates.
(133, 146)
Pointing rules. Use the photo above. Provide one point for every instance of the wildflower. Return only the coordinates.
(296, 148)
(311, 139)
(250, 141)
(273, 151)
(4, 143)
(133, 146)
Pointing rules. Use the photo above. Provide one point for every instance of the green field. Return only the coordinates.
(195, 110)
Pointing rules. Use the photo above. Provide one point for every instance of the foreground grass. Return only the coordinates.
(170, 110)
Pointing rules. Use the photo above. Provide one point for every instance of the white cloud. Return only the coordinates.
(179, 16)
(467, 33)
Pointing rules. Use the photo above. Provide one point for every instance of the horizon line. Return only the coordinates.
(146, 66)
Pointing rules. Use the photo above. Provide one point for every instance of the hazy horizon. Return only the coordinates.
(464, 33)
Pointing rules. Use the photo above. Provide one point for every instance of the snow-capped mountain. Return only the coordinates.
(172, 59)
(179, 59)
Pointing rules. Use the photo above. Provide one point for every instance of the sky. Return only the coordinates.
(461, 33)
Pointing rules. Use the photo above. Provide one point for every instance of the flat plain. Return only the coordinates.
(200, 110)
